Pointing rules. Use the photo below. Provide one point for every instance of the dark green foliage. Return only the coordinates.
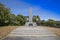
(36, 18)
(21, 19)
(50, 23)
(7, 18)
(57, 24)
(43, 22)
(4, 15)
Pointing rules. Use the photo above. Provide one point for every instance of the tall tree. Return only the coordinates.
(21, 19)
(5, 15)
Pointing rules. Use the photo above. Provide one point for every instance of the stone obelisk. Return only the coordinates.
(30, 23)
(30, 15)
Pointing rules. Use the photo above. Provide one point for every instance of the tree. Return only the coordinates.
(51, 22)
(4, 14)
(27, 18)
(43, 22)
(57, 24)
(21, 19)
(36, 19)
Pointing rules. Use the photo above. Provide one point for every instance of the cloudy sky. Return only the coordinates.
(46, 9)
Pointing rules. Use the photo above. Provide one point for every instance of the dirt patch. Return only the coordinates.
(55, 30)
(6, 30)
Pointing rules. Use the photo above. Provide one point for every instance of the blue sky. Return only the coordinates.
(46, 9)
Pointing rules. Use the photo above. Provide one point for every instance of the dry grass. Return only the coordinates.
(55, 30)
(5, 30)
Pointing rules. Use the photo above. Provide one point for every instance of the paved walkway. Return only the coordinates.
(32, 33)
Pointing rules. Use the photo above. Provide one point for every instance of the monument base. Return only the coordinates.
(31, 24)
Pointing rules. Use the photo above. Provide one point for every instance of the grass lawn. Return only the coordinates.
(55, 30)
(5, 30)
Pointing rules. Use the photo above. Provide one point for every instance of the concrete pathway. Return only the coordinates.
(32, 33)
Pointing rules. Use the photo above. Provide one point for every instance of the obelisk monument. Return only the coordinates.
(30, 15)
(30, 23)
